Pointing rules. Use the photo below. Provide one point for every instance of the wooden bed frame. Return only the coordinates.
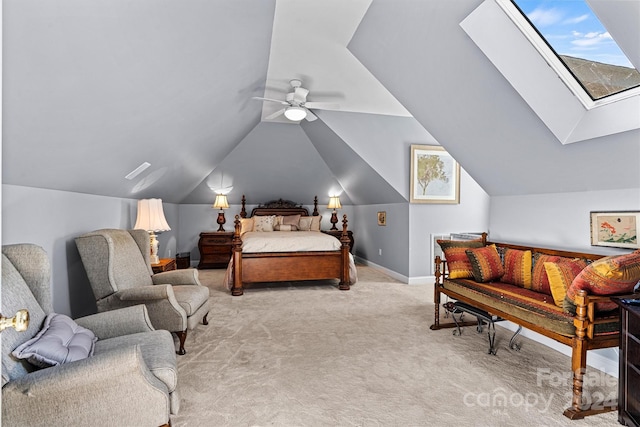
(287, 266)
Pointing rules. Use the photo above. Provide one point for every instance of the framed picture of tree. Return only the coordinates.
(435, 175)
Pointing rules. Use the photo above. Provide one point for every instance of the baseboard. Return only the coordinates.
(385, 270)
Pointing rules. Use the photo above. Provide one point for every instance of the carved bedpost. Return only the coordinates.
(436, 295)
(243, 211)
(579, 357)
(237, 288)
(484, 239)
(345, 280)
(315, 206)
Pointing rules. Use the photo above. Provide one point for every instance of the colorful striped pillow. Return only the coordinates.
(607, 276)
(539, 278)
(561, 275)
(485, 263)
(517, 268)
(458, 264)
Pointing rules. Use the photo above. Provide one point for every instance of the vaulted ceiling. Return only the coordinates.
(93, 89)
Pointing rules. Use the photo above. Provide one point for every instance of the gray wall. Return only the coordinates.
(52, 219)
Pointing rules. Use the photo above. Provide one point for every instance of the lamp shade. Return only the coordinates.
(221, 202)
(334, 202)
(295, 113)
(151, 216)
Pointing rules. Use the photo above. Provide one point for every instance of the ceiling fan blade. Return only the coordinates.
(300, 95)
(310, 116)
(322, 105)
(276, 114)
(270, 100)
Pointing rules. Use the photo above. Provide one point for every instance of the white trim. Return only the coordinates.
(393, 274)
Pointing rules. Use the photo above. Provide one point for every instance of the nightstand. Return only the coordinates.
(629, 375)
(215, 249)
(165, 264)
(338, 233)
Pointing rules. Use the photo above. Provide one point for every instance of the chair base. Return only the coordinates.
(182, 336)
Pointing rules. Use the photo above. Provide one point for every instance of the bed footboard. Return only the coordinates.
(289, 266)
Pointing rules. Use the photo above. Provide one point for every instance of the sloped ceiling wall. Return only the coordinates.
(453, 90)
(93, 89)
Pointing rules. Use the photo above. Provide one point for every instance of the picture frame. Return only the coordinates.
(382, 218)
(435, 175)
(615, 229)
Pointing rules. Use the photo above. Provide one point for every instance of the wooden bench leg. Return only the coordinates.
(578, 409)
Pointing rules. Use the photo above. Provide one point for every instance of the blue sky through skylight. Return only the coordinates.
(572, 29)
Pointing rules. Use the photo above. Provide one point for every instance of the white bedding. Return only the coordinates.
(288, 241)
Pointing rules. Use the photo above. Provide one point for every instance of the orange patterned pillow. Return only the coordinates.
(607, 276)
(485, 263)
(561, 275)
(539, 278)
(517, 268)
(458, 264)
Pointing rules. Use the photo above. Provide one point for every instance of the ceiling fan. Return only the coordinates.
(296, 105)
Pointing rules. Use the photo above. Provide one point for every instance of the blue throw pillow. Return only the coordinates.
(61, 340)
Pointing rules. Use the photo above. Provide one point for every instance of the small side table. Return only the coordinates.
(165, 264)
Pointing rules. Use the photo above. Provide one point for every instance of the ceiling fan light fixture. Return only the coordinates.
(295, 114)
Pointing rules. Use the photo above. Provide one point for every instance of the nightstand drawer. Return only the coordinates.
(218, 249)
(215, 249)
(215, 241)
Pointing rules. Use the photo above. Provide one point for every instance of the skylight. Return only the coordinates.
(578, 40)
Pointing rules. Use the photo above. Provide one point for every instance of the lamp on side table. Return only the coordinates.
(221, 203)
(151, 218)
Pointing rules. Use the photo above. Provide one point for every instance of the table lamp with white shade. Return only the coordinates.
(221, 203)
(334, 203)
(151, 218)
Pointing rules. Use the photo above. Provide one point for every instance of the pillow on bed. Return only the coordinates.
(315, 223)
(291, 220)
(263, 223)
(246, 224)
(285, 227)
(305, 223)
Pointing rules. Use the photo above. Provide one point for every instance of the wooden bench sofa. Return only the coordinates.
(589, 328)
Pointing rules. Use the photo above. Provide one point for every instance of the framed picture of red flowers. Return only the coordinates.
(615, 229)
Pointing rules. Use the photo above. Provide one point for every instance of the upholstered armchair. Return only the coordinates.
(129, 379)
(118, 266)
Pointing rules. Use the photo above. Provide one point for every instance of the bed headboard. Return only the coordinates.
(279, 207)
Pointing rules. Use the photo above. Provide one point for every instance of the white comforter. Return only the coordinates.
(288, 241)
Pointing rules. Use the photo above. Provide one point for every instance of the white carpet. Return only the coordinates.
(312, 355)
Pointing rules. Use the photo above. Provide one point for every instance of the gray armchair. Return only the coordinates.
(130, 379)
(118, 266)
